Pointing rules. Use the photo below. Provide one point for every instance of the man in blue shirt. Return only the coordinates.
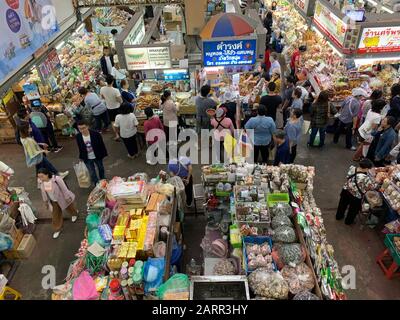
(264, 127)
(386, 140)
(348, 116)
(183, 168)
(282, 148)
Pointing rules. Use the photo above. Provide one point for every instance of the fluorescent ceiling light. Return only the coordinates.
(374, 3)
(175, 71)
(82, 25)
(60, 45)
(388, 10)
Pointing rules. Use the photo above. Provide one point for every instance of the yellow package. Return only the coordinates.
(132, 250)
(142, 234)
(119, 233)
(123, 219)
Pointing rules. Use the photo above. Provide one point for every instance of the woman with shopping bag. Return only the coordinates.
(57, 197)
(319, 119)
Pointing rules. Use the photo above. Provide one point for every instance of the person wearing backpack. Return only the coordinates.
(127, 95)
(35, 153)
(264, 127)
(98, 109)
(183, 168)
(222, 125)
(40, 118)
(348, 117)
(357, 184)
(57, 197)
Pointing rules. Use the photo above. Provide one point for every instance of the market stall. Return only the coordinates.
(133, 243)
(326, 67)
(263, 222)
(17, 223)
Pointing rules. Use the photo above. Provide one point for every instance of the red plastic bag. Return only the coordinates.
(84, 288)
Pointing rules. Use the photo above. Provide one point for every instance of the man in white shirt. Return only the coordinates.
(275, 65)
(118, 74)
(113, 99)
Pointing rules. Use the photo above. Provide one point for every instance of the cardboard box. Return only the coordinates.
(26, 246)
(17, 236)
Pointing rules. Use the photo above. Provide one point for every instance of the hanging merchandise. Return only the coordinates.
(27, 214)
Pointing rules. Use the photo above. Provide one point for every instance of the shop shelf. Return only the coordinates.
(389, 243)
(274, 198)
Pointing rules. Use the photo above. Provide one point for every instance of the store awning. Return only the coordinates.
(226, 25)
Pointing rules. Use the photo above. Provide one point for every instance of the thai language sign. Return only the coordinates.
(147, 58)
(382, 39)
(331, 25)
(50, 64)
(25, 26)
(229, 53)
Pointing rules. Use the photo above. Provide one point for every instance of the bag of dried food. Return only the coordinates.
(268, 284)
(284, 234)
(291, 254)
(299, 278)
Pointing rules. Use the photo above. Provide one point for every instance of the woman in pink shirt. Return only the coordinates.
(222, 126)
(152, 122)
(57, 197)
(170, 113)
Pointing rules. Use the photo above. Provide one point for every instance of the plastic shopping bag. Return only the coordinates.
(6, 242)
(82, 174)
(84, 288)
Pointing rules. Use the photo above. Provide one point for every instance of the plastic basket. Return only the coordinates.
(274, 198)
(259, 241)
(389, 243)
(219, 193)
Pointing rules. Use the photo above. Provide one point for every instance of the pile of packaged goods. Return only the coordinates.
(125, 253)
(266, 241)
(17, 219)
(323, 65)
(112, 17)
(80, 60)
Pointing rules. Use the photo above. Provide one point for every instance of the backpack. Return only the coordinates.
(39, 119)
(278, 45)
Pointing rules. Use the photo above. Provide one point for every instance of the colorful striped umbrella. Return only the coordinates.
(226, 25)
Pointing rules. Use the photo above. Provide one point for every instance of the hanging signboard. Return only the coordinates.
(136, 35)
(173, 75)
(380, 40)
(218, 53)
(148, 58)
(331, 25)
(31, 91)
(49, 65)
(25, 26)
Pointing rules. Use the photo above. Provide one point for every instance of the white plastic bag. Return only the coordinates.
(82, 174)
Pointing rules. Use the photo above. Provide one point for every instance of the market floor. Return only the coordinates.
(353, 246)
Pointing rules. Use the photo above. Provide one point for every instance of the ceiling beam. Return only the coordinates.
(111, 3)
